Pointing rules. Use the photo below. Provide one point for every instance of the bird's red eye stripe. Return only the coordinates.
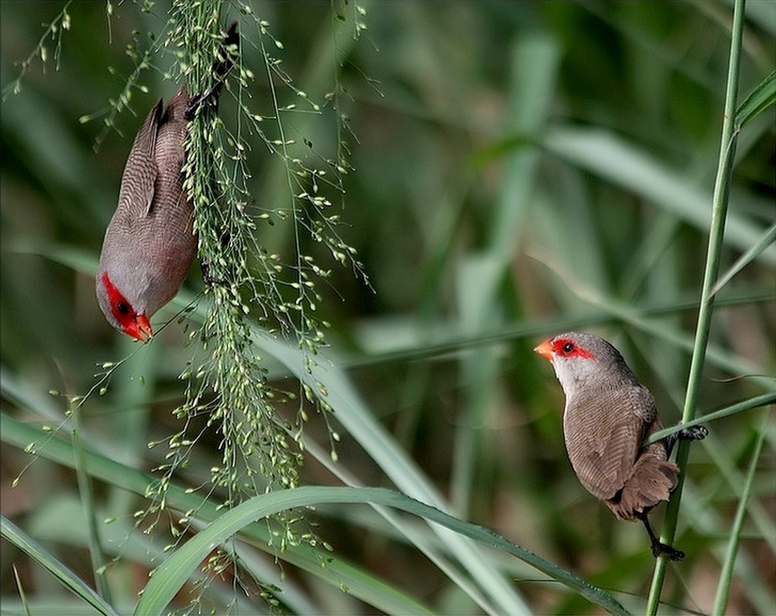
(566, 347)
(118, 305)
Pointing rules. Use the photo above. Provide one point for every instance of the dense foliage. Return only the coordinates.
(502, 171)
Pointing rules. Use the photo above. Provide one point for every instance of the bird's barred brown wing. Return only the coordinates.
(170, 239)
(149, 244)
(603, 431)
(139, 178)
(169, 155)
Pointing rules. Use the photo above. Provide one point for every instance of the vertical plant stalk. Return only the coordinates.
(716, 234)
(230, 386)
(96, 552)
(723, 588)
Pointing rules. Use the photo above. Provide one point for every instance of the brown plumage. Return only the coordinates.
(150, 243)
(607, 416)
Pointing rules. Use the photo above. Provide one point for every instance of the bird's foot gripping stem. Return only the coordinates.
(693, 433)
(658, 547)
(207, 274)
(228, 53)
(208, 98)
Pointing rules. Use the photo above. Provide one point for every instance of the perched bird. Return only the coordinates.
(607, 416)
(150, 245)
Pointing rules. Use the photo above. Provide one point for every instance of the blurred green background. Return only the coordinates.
(519, 169)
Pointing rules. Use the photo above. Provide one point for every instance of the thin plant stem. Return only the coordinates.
(83, 476)
(716, 234)
(723, 588)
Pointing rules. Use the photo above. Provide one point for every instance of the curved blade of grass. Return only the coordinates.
(402, 470)
(728, 567)
(16, 536)
(759, 99)
(334, 571)
(168, 579)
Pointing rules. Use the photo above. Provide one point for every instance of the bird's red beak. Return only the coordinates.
(545, 350)
(140, 329)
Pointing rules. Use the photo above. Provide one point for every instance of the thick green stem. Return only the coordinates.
(716, 234)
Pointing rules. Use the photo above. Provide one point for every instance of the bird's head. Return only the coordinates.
(121, 311)
(583, 360)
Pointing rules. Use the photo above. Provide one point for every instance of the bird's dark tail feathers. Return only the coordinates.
(651, 480)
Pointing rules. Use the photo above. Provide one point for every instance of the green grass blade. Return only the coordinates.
(762, 523)
(394, 461)
(728, 567)
(745, 259)
(759, 99)
(22, 594)
(14, 535)
(170, 577)
(89, 508)
(336, 572)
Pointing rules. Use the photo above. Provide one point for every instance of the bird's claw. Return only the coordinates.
(199, 100)
(228, 52)
(659, 548)
(207, 275)
(695, 433)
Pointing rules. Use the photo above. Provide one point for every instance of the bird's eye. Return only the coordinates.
(568, 347)
(122, 308)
